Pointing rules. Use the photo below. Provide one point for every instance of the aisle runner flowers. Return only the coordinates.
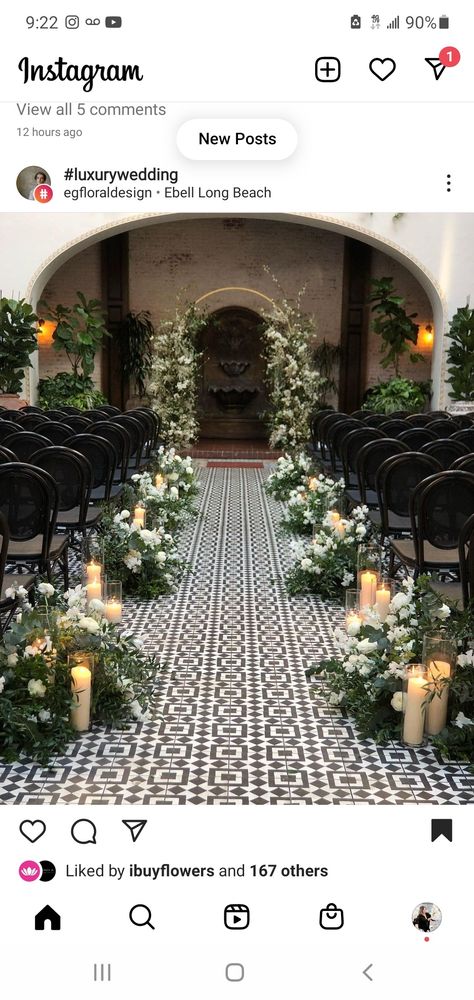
(145, 559)
(365, 680)
(328, 564)
(35, 679)
(289, 474)
(309, 503)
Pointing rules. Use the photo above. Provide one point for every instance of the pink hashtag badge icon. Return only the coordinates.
(43, 193)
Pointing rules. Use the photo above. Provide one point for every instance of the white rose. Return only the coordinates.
(397, 701)
(2, 684)
(353, 628)
(46, 588)
(44, 715)
(12, 659)
(174, 492)
(31, 651)
(36, 689)
(366, 646)
(443, 612)
(461, 720)
(306, 563)
(172, 477)
(88, 624)
(96, 605)
(161, 557)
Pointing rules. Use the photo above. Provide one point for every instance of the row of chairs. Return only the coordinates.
(49, 493)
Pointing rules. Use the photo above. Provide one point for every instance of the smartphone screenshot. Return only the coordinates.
(236, 500)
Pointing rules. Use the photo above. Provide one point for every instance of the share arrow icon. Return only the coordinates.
(136, 827)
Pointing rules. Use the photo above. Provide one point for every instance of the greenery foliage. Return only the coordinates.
(136, 334)
(326, 357)
(65, 388)
(393, 324)
(398, 394)
(461, 355)
(18, 340)
(35, 679)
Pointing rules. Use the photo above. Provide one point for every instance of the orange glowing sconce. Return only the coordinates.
(45, 331)
(427, 337)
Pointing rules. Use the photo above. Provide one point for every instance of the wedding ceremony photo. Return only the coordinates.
(237, 509)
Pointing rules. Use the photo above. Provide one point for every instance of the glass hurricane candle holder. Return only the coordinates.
(415, 695)
(369, 561)
(81, 666)
(93, 567)
(384, 593)
(439, 658)
(354, 619)
(160, 480)
(113, 601)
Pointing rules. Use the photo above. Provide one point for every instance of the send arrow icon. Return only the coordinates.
(136, 827)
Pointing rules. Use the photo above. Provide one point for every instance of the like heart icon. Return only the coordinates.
(32, 829)
(382, 68)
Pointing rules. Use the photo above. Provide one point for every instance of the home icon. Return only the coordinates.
(356, 21)
(45, 915)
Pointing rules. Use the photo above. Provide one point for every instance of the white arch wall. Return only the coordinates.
(438, 249)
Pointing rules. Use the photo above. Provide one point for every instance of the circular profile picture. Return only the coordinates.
(34, 184)
(426, 918)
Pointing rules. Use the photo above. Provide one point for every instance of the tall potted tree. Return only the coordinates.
(136, 336)
(18, 341)
(398, 333)
(461, 360)
(79, 332)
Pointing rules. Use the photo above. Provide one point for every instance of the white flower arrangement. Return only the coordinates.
(328, 564)
(174, 375)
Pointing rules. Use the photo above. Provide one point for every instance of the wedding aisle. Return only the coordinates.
(234, 720)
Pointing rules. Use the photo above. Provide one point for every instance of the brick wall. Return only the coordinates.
(82, 273)
(191, 258)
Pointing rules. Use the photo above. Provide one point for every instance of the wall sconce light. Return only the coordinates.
(426, 337)
(45, 332)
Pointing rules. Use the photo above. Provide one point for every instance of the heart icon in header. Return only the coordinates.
(382, 68)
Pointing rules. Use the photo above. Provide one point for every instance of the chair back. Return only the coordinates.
(23, 444)
(72, 474)
(7, 456)
(466, 463)
(137, 436)
(33, 420)
(56, 431)
(316, 422)
(439, 509)
(466, 436)
(393, 428)
(336, 433)
(446, 450)
(102, 457)
(32, 409)
(351, 445)
(120, 439)
(56, 413)
(371, 456)
(466, 560)
(93, 415)
(4, 540)
(444, 427)
(13, 416)
(375, 419)
(78, 425)
(70, 409)
(29, 502)
(111, 410)
(7, 429)
(416, 437)
(419, 419)
(396, 480)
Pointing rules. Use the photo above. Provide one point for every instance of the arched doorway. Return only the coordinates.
(232, 397)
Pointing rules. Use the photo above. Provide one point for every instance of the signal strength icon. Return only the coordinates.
(395, 23)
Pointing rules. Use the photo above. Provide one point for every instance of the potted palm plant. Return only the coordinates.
(18, 341)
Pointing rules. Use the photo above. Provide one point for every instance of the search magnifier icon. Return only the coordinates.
(140, 915)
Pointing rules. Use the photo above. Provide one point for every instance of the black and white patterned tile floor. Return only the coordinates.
(234, 720)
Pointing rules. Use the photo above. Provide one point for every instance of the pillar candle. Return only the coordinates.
(159, 480)
(437, 709)
(81, 679)
(368, 585)
(139, 517)
(382, 601)
(113, 610)
(414, 720)
(313, 484)
(93, 572)
(94, 590)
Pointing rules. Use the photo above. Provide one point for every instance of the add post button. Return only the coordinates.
(237, 139)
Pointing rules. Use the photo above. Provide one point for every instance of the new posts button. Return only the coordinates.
(237, 139)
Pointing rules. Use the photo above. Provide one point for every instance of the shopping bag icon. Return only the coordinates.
(332, 918)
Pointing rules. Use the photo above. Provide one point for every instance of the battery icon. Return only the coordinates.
(444, 21)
